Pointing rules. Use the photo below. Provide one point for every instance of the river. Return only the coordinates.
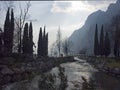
(74, 71)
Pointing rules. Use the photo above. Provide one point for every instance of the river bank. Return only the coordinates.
(108, 75)
(108, 65)
(75, 69)
(14, 70)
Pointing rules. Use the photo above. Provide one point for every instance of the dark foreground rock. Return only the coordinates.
(18, 71)
(106, 82)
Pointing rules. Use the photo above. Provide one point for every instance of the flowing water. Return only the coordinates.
(75, 71)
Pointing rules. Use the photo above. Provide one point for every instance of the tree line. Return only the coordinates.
(7, 37)
(42, 43)
(107, 42)
(101, 44)
(116, 25)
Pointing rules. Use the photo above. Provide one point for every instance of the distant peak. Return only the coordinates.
(98, 12)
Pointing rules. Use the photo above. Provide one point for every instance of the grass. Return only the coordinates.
(111, 62)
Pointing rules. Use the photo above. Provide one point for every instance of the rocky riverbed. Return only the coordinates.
(16, 71)
(74, 71)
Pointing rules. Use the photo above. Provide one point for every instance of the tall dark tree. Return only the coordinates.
(6, 31)
(116, 24)
(116, 47)
(39, 51)
(102, 42)
(11, 30)
(116, 43)
(31, 39)
(107, 45)
(44, 42)
(25, 43)
(46, 45)
(96, 42)
(1, 40)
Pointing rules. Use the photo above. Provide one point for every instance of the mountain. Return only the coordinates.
(83, 38)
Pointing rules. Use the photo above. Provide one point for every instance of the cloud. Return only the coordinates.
(102, 5)
(72, 7)
(61, 7)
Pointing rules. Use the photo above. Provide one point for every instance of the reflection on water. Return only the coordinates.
(75, 70)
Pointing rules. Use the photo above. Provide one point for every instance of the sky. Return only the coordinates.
(69, 15)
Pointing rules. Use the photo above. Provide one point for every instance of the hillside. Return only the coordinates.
(84, 36)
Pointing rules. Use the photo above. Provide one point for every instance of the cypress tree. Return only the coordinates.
(107, 45)
(47, 44)
(116, 47)
(6, 31)
(11, 30)
(96, 43)
(25, 39)
(1, 40)
(44, 43)
(116, 44)
(39, 50)
(102, 41)
(31, 39)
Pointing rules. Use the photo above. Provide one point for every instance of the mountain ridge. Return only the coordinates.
(83, 37)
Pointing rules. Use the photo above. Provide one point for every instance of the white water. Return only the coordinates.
(73, 70)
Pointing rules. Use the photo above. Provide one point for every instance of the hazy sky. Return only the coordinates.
(69, 15)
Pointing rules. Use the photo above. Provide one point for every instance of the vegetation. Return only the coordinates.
(43, 43)
(101, 45)
(111, 62)
(8, 31)
(96, 43)
(101, 42)
(66, 46)
(107, 45)
(31, 43)
(88, 85)
(26, 42)
(49, 81)
(27, 39)
(59, 41)
(115, 24)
